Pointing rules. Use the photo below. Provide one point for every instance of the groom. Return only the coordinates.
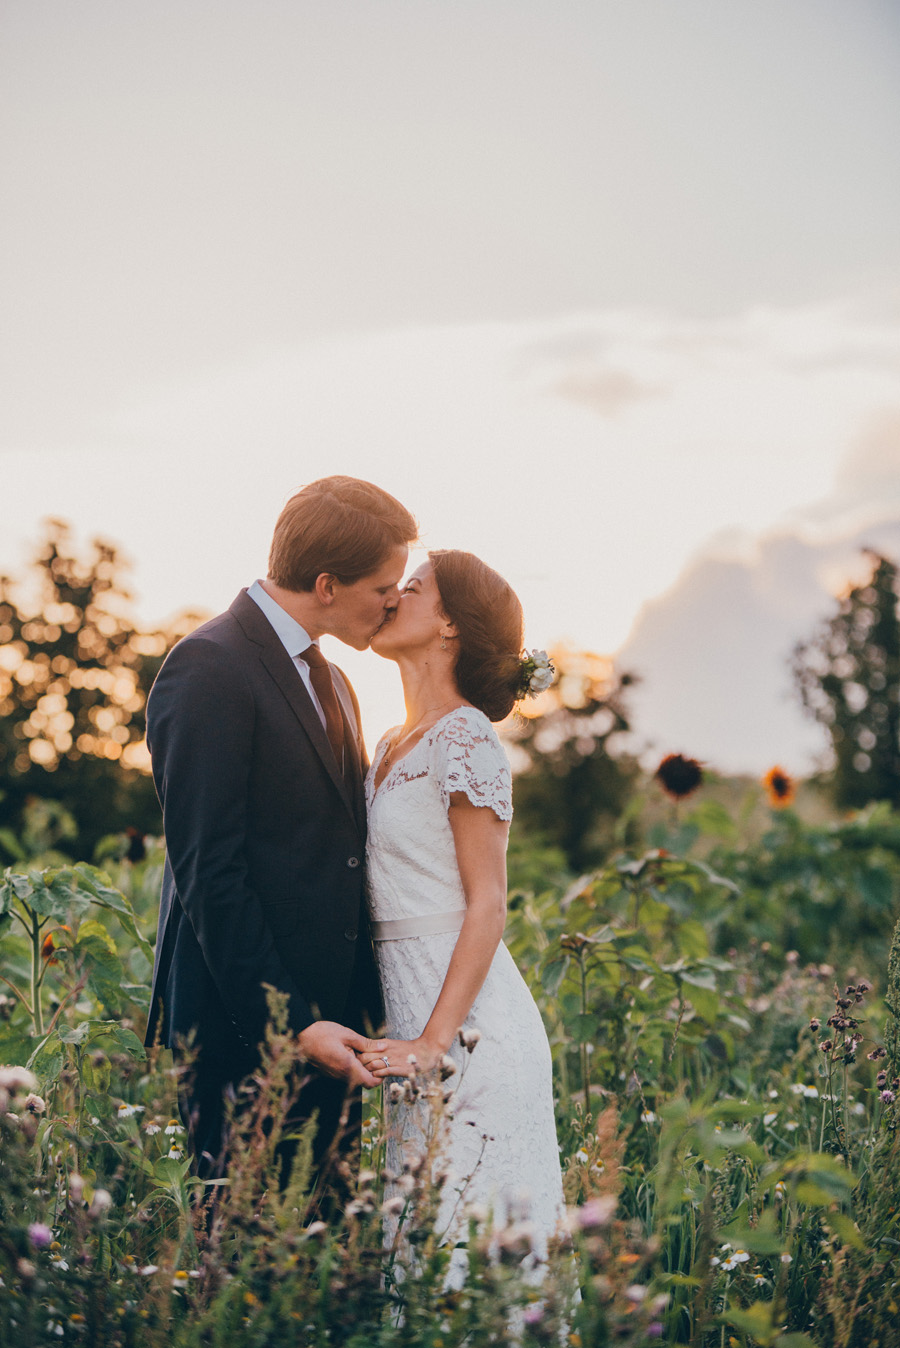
(259, 762)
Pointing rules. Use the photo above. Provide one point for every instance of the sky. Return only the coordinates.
(607, 292)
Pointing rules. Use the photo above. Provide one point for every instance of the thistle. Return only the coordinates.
(892, 1001)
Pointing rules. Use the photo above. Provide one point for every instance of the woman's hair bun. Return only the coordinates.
(488, 618)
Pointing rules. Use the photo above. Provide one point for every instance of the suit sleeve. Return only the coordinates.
(200, 722)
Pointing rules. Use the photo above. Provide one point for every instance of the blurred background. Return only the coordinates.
(606, 292)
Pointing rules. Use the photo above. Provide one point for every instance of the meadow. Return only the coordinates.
(722, 1000)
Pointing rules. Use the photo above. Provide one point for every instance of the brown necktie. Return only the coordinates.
(320, 676)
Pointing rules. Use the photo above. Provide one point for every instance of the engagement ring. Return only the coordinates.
(386, 1061)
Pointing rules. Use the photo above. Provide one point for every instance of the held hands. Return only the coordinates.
(398, 1052)
(340, 1052)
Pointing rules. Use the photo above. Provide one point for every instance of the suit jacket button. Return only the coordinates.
(350, 935)
(353, 862)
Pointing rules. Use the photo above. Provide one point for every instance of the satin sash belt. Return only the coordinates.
(429, 925)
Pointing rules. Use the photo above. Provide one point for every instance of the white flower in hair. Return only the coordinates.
(537, 673)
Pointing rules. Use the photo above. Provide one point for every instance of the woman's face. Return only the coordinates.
(417, 621)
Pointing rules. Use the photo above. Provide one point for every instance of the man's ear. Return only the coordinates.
(325, 588)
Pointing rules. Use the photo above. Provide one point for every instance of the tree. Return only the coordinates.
(75, 672)
(572, 788)
(848, 677)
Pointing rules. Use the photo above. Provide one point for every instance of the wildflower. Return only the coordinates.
(128, 1111)
(316, 1228)
(814, 1023)
(881, 1079)
(679, 776)
(534, 1314)
(34, 1104)
(174, 1153)
(15, 1079)
(100, 1203)
(76, 1187)
(877, 1053)
(447, 1067)
(151, 1128)
(636, 1293)
(655, 1329)
(648, 1116)
(395, 1092)
(736, 1257)
(597, 1212)
(787, 1258)
(581, 1156)
(469, 1038)
(172, 1128)
(888, 1097)
(40, 1235)
(780, 1190)
(48, 945)
(393, 1206)
(780, 788)
(792, 1126)
(148, 1270)
(863, 986)
(826, 1045)
(25, 1269)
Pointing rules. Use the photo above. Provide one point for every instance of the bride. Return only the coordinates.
(439, 803)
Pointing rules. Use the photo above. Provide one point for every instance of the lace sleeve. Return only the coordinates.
(469, 757)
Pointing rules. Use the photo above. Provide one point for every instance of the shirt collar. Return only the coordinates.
(294, 638)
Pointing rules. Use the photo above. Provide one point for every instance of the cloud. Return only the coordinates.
(713, 653)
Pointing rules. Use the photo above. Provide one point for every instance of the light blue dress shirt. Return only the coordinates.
(294, 638)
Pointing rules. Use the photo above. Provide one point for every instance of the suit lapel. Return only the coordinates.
(286, 676)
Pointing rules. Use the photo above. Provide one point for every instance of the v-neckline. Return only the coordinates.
(376, 785)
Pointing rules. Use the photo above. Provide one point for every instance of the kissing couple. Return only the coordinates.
(372, 896)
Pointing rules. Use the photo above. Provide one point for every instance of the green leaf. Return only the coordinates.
(844, 1227)
(552, 975)
(78, 1035)
(755, 1320)
(126, 1040)
(585, 1028)
(48, 1058)
(170, 1172)
(795, 1340)
(9, 840)
(713, 820)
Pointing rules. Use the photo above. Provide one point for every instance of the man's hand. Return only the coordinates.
(332, 1048)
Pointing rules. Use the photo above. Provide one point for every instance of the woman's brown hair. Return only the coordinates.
(339, 525)
(488, 617)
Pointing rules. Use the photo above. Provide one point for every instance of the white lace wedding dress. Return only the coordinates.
(500, 1144)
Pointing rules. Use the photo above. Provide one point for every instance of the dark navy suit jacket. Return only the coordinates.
(265, 845)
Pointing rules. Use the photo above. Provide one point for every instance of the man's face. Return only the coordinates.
(357, 610)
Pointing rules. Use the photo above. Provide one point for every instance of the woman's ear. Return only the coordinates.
(449, 631)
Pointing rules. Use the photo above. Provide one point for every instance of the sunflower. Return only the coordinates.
(679, 776)
(48, 945)
(780, 788)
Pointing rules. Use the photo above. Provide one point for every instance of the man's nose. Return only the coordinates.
(392, 599)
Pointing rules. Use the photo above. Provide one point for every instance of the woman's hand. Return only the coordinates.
(392, 1058)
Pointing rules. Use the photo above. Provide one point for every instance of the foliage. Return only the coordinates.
(848, 676)
(726, 1111)
(573, 785)
(75, 672)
